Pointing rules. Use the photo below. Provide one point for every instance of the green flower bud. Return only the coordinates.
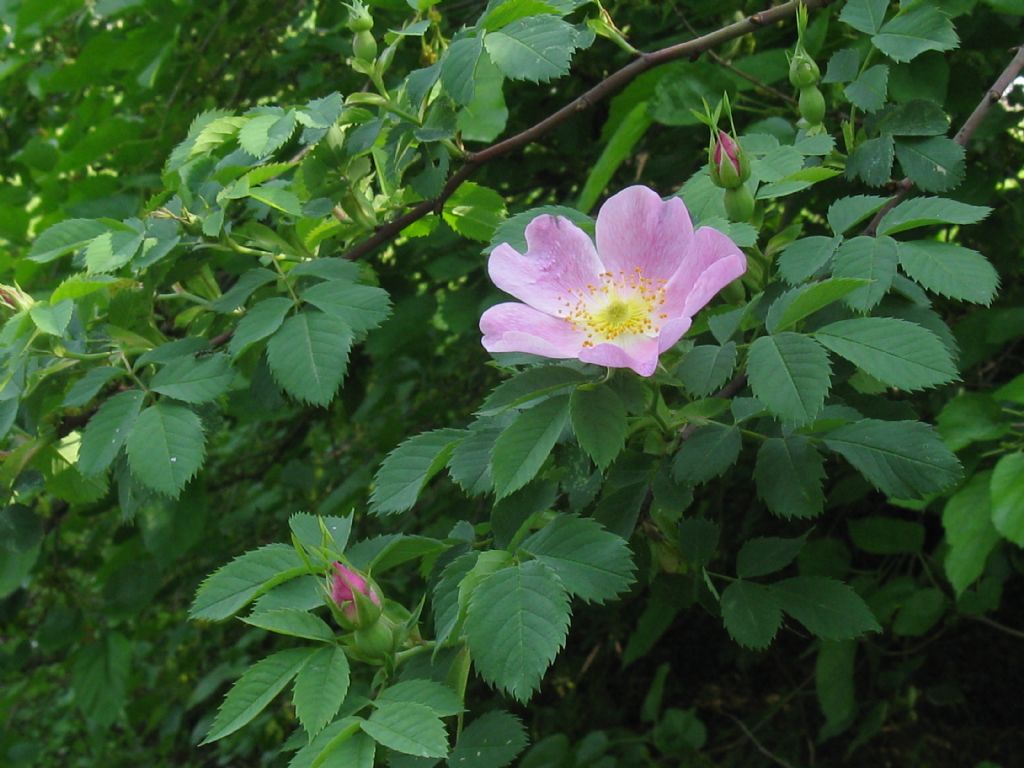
(812, 105)
(803, 70)
(359, 18)
(376, 642)
(739, 204)
(729, 166)
(364, 45)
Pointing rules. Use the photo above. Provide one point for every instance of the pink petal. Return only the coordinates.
(514, 327)
(638, 352)
(713, 262)
(672, 331)
(636, 228)
(560, 261)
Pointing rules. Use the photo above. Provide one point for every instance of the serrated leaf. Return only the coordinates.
(439, 698)
(409, 467)
(904, 459)
(919, 117)
(166, 448)
(897, 352)
(474, 211)
(470, 464)
(871, 161)
(706, 454)
(362, 307)
(935, 164)
(799, 303)
(950, 270)
(1007, 487)
(828, 608)
(233, 586)
(337, 746)
(536, 48)
(194, 380)
(320, 688)
(789, 472)
(804, 257)
(751, 614)
(880, 535)
(485, 116)
(790, 373)
(278, 198)
(924, 211)
(867, 258)
(599, 422)
(243, 288)
(869, 90)
(65, 237)
(409, 728)
(908, 35)
(458, 68)
(255, 689)
(309, 530)
(764, 555)
(264, 134)
(99, 677)
(52, 319)
(87, 387)
(445, 603)
(491, 741)
(970, 534)
(262, 319)
(592, 563)
(848, 211)
(517, 622)
(843, 66)
(864, 15)
(292, 622)
(108, 430)
(707, 367)
(523, 447)
(529, 385)
(308, 356)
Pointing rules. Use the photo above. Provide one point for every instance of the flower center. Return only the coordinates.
(622, 305)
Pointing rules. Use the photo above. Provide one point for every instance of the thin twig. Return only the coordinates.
(611, 85)
(760, 747)
(992, 95)
(996, 625)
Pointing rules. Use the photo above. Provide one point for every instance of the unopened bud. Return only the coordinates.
(812, 105)
(12, 297)
(739, 204)
(803, 70)
(359, 18)
(729, 164)
(359, 602)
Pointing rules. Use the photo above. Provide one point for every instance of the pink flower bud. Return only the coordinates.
(726, 144)
(729, 165)
(346, 583)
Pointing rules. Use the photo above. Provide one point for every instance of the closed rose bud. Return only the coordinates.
(352, 593)
(803, 70)
(812, 105)
(729, 164)
(364, 45)
(359, 18)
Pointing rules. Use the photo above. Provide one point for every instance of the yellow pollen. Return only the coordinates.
(623, 305)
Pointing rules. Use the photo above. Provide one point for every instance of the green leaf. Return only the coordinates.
(970, 534)
(255, 689)
(320, 688)
(337, 746)
(924, 211)
(828, 608)
(108, 430)
(789, 473)
(761, 556)
(87, 387)
(474, 211)
(908, 35)
(707, 367)
(517, 622)
(706, 454)
(470, 464)
(871, 161)
(166, 448)
(934, 164)
(904, 459)
(237, 295)
(921, 611)
(308, 356)
(592, 563)
(448, 612)
(233, 586)
(439, 698)
(1007, 488)
(52, 319)
(790, 374)
(458, 68)
(751, 614)
(409, 467)
(867, 258)
(65, 237)
(868, 91)
(950, 270)
(880, 535)
(530, 385)
(619, 147)
(409, 728)
(799, 303)
(918, 117)
(500, 14)
(309, 530)
(536, 48)
(491, 741)
(843, 66)
(599, 421)
(99, 677)
(834, 684)
(971, 417)
(264, 134)
(864, 15)
(848, 211)
(804, 257)
(278, 198)
(897, 352)
(194, 380)
(485, 116)
(521, 450)
(292, 622)
(111, 250)
(698, 539)
(260, 321)
(362, 307)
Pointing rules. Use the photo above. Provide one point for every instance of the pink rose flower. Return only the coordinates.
(345, 582)
(620, 304)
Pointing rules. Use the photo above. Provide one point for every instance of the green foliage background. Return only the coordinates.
(185, 141)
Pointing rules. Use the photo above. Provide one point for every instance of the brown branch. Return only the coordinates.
(992, 95)
(611, 85)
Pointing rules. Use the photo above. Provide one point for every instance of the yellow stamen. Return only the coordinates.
(623, 305)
